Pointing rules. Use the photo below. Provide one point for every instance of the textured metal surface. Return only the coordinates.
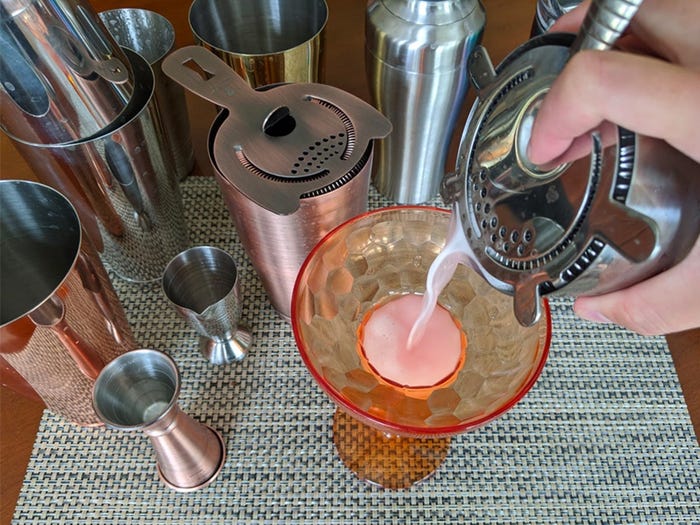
(152, 36)
(62, 76)
(293, 161)
(60, 319)
(416, 61)
(548, 11)
(604, 23)
(589, 227)
(604, 436)
(278, 244)
(123, 185)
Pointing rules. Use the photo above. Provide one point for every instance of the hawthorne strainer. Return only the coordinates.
(595, 225)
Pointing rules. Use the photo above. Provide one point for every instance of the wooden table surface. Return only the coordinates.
(508, 25)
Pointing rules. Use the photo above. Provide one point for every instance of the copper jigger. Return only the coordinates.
(139, 391)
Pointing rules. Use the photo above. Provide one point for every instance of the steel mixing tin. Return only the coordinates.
(586, 228)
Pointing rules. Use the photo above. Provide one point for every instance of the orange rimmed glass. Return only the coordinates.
(390, 435)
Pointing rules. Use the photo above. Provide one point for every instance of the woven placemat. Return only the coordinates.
(603, 437)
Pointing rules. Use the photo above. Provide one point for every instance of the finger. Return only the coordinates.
(670, 29)
(571, 21)
(664, 28)
(666, 303)
(582, 146)
(649, 96)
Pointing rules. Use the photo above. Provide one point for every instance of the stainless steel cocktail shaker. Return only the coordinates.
(416, 60)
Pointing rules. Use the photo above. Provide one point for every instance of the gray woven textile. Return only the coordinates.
(603, 437)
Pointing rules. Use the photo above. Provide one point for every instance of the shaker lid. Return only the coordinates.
(534, 230)
(284, 143)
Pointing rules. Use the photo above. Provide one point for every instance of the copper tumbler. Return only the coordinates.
(60, 319)
(139, 391)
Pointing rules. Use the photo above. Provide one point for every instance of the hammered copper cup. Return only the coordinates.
(60, 319)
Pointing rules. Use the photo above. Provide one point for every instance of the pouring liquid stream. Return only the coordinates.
(456, 251)
(394, 336)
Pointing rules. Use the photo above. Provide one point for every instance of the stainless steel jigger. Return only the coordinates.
(138, 391)
(202, 284)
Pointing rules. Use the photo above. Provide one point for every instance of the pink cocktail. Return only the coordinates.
(397, 411)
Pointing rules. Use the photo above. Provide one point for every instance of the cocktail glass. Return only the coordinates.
(389, 434)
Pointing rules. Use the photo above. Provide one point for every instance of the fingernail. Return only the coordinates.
(593, 316)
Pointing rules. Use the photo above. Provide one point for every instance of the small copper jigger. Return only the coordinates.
(202, 284)
(139, 391)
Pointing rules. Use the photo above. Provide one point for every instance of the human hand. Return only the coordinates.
(650, 85)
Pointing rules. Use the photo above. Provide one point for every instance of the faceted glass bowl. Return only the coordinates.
(384, 253)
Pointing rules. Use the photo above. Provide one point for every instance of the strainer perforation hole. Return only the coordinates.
(477, 206)
(318, 142)
(482, 175)
(332, 137)
(294, 172)
(527, 236)
(506, 246)
(311, 148)
(514, 236)
(484, 224)
(494, 222)
(296, 164)
(503, 232)
(494, 237)
(521, 249)
(341, 134)
(325, 140)
(487, 208)
(483, 193)
(476, 187)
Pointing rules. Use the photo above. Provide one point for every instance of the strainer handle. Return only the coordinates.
(205, 74)
(605, 21)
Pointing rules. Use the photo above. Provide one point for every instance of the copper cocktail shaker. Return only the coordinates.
(292, 161)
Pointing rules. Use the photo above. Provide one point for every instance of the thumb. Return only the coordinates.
(668, 302)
